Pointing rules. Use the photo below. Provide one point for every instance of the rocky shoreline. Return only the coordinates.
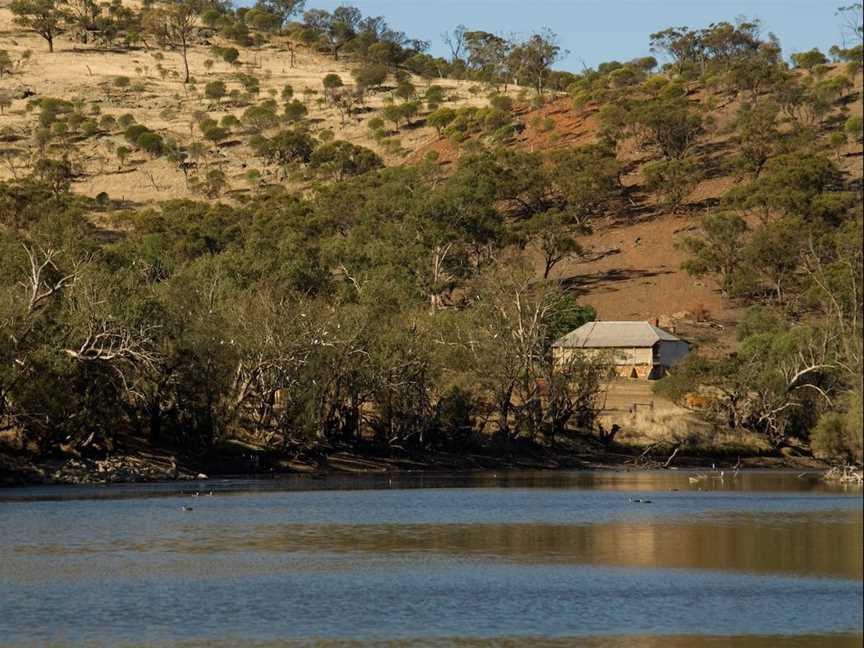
(147, 467)
(17, 471)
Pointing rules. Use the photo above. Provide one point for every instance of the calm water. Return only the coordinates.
(545, 559)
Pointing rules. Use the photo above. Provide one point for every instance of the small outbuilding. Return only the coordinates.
(635, 349)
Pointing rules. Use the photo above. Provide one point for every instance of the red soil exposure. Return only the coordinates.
(571, 127)
(632, 266)
(633, 272)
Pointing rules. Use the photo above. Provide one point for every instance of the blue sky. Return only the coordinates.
(595, 31)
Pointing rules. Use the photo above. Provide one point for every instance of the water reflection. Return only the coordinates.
(515, 559)
(804, 544)
(607, 480)
(625, 641)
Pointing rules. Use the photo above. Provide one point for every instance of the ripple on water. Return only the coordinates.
(446, 566)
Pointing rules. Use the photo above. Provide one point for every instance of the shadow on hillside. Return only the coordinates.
(99, 50)
(699, 207)
(715, 159)
(103, 229)
(635, 209)
(580, 285)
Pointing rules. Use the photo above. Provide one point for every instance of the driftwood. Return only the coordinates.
(645, 460)
(671, 457)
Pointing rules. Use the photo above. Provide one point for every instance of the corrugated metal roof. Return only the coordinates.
(614, 334)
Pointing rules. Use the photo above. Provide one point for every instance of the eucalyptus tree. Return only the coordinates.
(45, 17)
(531, 60)
(173, 23)
(335, 29)
(282, 9)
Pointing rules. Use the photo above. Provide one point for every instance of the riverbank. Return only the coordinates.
(163, 466)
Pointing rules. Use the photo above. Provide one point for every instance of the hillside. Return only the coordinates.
(631, 269)
(306, 249)
(76, 72)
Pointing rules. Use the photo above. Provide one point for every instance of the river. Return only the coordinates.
(511, 559)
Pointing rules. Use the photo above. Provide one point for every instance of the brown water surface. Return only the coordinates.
(511, 559)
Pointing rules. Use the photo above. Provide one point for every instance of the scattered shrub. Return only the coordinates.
(230, 55)
(838, 435)
(342, 159)
(215, 134)
(434, 96)
(215, 90)
(371, 76)
(122, 154)
(441, 118)
(295, 111)
(133, 132)
(502, 103)
(259, 118)
(151, 143)
(331, 82)
(672, 180)
(229, 122)
(89, 127)
(854, 128)
(125, 120)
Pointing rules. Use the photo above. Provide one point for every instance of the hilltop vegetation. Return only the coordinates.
(300, 232)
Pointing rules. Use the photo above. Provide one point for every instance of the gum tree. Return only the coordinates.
(45, 17)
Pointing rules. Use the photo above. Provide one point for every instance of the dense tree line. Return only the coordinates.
(367, 40)
(378, 307)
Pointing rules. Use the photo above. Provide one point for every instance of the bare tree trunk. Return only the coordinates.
(439, 256)
(185, 61)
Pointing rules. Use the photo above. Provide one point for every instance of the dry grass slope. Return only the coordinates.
(632, 266)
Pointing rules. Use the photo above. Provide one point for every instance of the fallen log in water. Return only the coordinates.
(350, 463)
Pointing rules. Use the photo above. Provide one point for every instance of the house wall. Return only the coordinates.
(671, 353)
(634, 356)
(623, 358)
(642, 371)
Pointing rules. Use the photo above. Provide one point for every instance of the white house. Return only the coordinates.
(635, 349)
